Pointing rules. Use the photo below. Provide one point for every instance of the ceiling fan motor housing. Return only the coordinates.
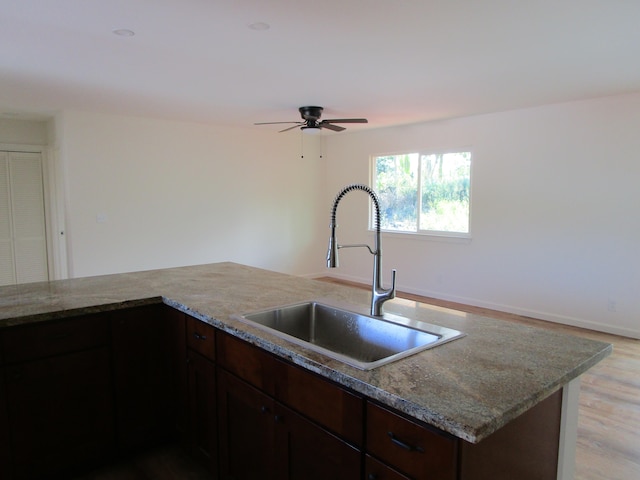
(311, 113)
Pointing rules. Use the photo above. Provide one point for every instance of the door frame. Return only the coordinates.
(54, 213)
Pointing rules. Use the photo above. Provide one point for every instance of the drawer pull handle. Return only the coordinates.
(264, 409)
(197, 336)
(396, 441)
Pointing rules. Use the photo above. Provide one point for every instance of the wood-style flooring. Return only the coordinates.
(608, 446)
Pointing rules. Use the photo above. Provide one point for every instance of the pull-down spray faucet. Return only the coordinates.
(378, 294)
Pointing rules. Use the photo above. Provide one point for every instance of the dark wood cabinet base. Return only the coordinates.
(91, 389)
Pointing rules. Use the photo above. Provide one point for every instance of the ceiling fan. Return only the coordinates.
(311, 120)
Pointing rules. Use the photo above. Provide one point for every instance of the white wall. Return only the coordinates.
(555, 212)
(144, 194)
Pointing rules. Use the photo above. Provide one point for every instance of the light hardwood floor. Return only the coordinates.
(608, 446)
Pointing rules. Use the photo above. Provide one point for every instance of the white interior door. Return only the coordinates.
(23, 243)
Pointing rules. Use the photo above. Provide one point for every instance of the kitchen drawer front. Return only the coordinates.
(53, 338)
(414, 449)
(252, 364)
(375, 470)
(201, 337)
(326, 403)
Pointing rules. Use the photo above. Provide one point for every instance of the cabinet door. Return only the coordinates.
(60, 412)
(246, 430)
(142, 377)
(5, 466)
(177, 354)
(202, 402)
(375, 470)
(306, 451)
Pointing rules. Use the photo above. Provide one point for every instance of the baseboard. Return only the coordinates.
(474, 302)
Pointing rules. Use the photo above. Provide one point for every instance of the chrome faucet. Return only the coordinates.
(378, 294)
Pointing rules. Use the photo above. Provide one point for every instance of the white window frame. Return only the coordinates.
(434, 234)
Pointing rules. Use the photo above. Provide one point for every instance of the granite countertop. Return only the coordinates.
(470, 387)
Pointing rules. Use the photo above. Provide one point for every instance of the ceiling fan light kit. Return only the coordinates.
(312, 124)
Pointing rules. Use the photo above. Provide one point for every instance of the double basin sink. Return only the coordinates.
(362, 341)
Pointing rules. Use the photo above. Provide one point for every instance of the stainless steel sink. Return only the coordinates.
(359, 340)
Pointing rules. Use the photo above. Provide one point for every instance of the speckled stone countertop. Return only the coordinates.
(470, 387)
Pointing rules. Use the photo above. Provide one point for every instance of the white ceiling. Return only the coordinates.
(392, 61)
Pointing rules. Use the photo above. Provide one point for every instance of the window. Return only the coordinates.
(424, 192)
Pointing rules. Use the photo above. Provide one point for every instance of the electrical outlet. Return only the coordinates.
(611, 305)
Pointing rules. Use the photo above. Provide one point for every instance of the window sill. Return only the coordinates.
(448, 237)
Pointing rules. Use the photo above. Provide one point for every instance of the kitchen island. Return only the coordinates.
(471, 388)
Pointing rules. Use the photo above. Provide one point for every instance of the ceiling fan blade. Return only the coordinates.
(335, 128)
(275, 123)
(346, 120)
(290, 128)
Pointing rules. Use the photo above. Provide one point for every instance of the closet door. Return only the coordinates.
(23, 246)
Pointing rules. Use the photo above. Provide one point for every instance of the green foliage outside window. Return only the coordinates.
(436, 185)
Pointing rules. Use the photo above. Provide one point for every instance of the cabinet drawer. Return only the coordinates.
(52, 338)
(414, 449)
(252, 364)
(201, 337)
(321, 400)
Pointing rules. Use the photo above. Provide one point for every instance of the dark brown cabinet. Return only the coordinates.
(306, 451)
(179, 382)
(59, 396)
(280, 422)
(246, 430)
(375, 470)
(5, 469)
(4, 431)
(142, 374)
(203, 425)
(261, 438)
(202, 432)
(201, 338)
(413, 449)
(526, 448)
(83, 390)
